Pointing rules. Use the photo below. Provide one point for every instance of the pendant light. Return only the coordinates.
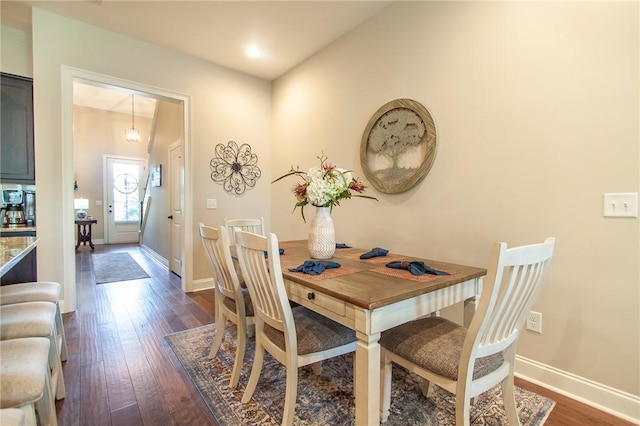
(132, 135)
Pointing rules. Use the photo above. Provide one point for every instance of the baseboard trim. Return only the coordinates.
(613, 401)
(155, 256)
(203, 284)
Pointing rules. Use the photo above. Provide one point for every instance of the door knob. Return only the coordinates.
(170, 217)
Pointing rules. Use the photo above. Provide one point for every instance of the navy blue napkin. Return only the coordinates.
(342, 245)
(266, 253)
(375, 252)
(415, 267)
(315, 267)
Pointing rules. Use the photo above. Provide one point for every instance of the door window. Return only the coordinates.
(126, 192)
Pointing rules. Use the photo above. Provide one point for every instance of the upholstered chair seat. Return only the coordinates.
(35, 319)
(25, 379)
(435, 344)
(230, 303)
(314, 332)
(38, 291)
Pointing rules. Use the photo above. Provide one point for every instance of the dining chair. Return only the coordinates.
(295, 337)
(232, 301)
(255, 226)
(467, 362)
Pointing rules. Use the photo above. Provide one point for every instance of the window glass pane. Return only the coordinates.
(126, 200)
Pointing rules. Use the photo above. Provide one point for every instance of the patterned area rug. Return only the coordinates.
(326, 399)
(118, 266)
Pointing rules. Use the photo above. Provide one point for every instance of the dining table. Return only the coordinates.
(369, 297)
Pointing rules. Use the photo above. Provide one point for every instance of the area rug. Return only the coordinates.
(118, 266)
(326, 399)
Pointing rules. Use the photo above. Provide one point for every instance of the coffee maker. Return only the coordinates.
(12, 214)
(29, 205)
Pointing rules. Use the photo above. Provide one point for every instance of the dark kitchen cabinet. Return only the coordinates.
(16, 122)
(25, 271)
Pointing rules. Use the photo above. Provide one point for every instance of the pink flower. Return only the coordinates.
(357, 186)
(300, 191)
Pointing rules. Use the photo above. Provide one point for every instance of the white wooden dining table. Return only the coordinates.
(370, 298)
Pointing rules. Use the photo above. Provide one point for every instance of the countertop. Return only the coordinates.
(9, 229)
(13, 250)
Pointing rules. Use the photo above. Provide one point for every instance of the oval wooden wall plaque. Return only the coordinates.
(398, 146)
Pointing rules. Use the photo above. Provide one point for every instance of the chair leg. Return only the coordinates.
(60, 334)
(290, 394)
(316, 367)
(256, 370)
(55, 366)
(29, 411)
(385, 386)
(463, 406)
(425, 386)
(45, 406)
(220, 324)
(509, 399)
(240, 350)
(508, 395)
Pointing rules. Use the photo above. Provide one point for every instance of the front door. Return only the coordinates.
(124, 185)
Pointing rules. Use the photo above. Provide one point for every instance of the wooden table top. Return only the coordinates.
(13, 250)
(368, 283)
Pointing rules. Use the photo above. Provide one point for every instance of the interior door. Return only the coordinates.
(176, 203)
(124, 181)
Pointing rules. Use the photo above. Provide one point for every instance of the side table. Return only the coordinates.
(84, 232)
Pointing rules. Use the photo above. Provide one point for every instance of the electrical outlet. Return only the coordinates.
(534, 322)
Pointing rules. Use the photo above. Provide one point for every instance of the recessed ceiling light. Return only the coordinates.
(253, 52)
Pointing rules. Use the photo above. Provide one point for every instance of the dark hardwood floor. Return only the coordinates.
(120, 370)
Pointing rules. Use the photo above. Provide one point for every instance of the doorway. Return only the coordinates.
(71, 75)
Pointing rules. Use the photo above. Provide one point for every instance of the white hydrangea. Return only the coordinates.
(322, 189)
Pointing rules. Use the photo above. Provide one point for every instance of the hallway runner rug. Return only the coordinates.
(326, 399)
(118, 266)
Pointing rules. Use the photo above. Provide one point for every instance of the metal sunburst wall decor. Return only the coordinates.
(235, 168)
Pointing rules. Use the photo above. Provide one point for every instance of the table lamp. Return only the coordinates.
(81, 204)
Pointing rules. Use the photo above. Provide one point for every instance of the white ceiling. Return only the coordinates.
(287, 32)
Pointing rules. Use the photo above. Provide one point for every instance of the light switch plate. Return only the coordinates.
(621, 204)
(212, 203)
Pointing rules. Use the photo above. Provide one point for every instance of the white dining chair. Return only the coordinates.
(232, 301)
(294, 337)
(255, 226)
(468, 362)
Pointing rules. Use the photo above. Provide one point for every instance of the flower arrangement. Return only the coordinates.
(325, 186)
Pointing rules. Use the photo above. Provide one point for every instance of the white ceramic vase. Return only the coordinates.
(322, 235)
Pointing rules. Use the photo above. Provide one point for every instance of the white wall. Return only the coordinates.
(222, 103)
(15, 51)
(536, 108)
(168, 129)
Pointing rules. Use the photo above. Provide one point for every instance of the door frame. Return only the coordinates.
(68, 76)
